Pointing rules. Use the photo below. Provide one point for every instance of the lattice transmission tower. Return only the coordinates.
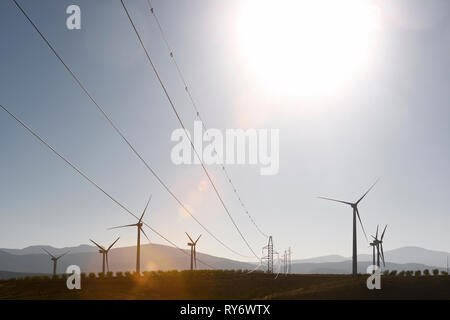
(269, 256)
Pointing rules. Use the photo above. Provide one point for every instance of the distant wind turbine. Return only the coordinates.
(54, 259)
(354, 206)
(374, 246)
(139, 225)
(379, 244)
(104, 253)
(193, 245)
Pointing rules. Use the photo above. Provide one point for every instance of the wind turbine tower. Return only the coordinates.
(104, 253)
(354, 206)
(289, 260)
(54, 259)
(139, 225)
(379, 245)
(193, 245)
(374, 245)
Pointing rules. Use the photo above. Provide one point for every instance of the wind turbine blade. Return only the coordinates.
(97, 244)
(145, 209)
(365, 235)
(349, 203)
(128, 225)
(197, 239)
(62, 255)
(382, 235)
(376, 235)
(367, 192)
(189, 237)
(142, 230)
(113, 244)
(49, 253)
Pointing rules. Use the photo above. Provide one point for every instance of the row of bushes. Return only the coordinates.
(417, 273)
(91, 275)
(129, 274)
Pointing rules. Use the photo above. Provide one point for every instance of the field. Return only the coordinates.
(228, 285)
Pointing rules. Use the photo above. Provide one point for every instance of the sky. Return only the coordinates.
(353, 103)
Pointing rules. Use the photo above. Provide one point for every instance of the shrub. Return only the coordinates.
(36, 278)
(83, 275)
(100, 275)
(418, 273)
(386, 272)
(409, 273)
(444, 273)
(393, 273)
(402, 273)
(64, 276)
(119, 274)
(55, 277)
(92, 275)
(426, 272)
(109, 274)
(46, 278)
(128, 274)
(435, 272)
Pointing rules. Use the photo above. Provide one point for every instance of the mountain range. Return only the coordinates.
(33, 260)
(398, 256)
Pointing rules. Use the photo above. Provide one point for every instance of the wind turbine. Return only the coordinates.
(379, 245)
(54, 259)
(193, 245)
(104, 253)
(373, 244)
(354, 206)
(139, 225)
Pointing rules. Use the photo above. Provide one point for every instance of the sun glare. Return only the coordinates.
(306, 48)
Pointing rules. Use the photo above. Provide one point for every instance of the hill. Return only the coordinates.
(153, 257)
(32, 260)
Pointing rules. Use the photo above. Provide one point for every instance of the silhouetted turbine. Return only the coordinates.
(54, 259)
(379, 244)
(354, 206)
(193, 245)
(373, 245)
(139, 225)
(104, 253)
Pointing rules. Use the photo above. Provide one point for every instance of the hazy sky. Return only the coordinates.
(390, 120)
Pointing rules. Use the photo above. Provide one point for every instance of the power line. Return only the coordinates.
(184, 128)
(89, 179)
(194, 105)
(121, 134)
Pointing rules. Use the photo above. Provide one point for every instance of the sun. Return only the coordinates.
(306, 47)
